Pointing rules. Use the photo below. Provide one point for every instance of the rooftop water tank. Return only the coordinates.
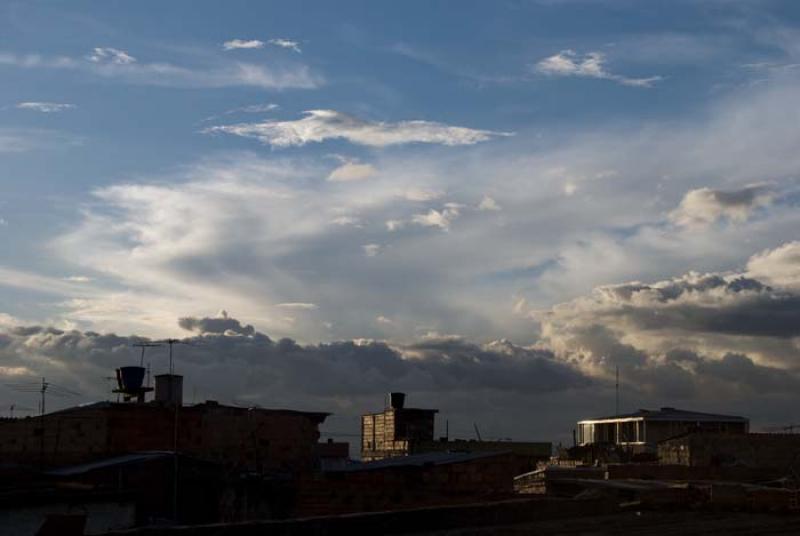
(130, 379)
(397, 400)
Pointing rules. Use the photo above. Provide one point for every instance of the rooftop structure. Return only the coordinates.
(645, 428)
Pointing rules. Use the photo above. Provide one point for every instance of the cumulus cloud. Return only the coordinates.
(779, 267)
(221, 324)
(45, 107)
(713, 314)
(286, 43)
(488, 203)
(704, 206)
(438, 218)
(234, 44)
(591, 65)
(321, 125)
(119, 65)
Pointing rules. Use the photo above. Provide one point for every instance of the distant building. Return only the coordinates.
(396, 430)
(400, 431)
(644, 429)
(757, 451)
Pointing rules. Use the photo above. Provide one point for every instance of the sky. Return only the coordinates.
(492, 206)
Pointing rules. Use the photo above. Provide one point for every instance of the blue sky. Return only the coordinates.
(406, 172)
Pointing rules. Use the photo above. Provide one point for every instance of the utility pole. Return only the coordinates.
(617, 393)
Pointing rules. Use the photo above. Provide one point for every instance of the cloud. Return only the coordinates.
(704, 206)
(299, 306)
(221, 324)
(715, 314)
(352, 170)
(371, 250)
(487, 203)
(234, 44)
(216, 73)
(321, 125)
(45, 107)
(110, 56)
(466, 380)
(438, 218)
(779, 267)
(591, 65)
(286, 43)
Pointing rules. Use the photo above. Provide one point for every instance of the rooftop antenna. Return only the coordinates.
(616, 386)
(477, 432)
(170, 342)
(144, 346)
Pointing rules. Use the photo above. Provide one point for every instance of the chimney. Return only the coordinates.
(169, 389)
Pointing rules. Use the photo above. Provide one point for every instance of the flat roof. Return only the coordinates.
(667, 414)
(208, 405)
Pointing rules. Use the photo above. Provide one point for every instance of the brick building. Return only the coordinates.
(396, 431)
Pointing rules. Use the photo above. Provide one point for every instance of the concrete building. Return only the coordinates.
(644, 429)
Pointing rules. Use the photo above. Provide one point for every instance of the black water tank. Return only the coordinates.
(130, 379)
(397, 400)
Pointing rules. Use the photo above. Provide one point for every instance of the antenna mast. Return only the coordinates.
(616, 386)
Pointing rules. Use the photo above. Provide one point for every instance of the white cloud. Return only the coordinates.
(298, 306)
(779, 267)
(384, 320)
(487, 203)
(234, 44)
(352, 170)
(320, 125)
(395, 225)
(591, 65)
(704, 206)
(286, 43)
(78, 279)
(371, 250)
(45, 107)
(117, 64)
(110, 55)
(439, 218)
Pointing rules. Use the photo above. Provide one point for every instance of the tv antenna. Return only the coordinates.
(170, 342)
(144, 346)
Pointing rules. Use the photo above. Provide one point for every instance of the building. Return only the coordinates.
(238, 438)
(400, 431)
(644, 429)
(757, 451)
(396, 431)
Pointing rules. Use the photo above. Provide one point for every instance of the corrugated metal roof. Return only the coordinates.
(125, 459)
(670, 414)
(420, 460)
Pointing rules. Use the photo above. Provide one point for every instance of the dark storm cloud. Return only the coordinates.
(220, 324)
